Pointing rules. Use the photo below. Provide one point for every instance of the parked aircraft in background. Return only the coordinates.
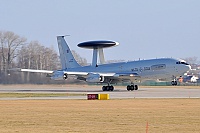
(168, 69)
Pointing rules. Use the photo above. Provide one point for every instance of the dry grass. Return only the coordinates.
(42, 116)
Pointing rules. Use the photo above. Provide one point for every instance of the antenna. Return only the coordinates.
(64, 36)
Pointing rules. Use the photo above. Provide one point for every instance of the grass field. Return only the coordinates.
(131, 115)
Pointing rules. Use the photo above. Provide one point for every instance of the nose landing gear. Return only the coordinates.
(174, 81)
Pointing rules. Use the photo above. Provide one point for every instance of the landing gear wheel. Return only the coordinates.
(136, 87)
(128, 88)
(104, 88)
(111, 88)
(107, 88)
(132, 87)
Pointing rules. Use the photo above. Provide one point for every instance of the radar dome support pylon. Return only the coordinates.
(95, 56)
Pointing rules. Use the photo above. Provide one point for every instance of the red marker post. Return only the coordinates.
(147, 127)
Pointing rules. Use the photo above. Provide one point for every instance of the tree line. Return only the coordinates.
(16, 52)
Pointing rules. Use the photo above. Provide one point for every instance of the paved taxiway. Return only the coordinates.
(119, 93)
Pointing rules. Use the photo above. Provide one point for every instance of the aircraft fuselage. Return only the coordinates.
(164, 68)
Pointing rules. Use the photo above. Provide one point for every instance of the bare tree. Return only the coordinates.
(36, 56)
(79, 59)
(14, 53)
(191, 60)
(9, 44)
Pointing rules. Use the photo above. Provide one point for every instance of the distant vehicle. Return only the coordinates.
(168, 69)
(190, 79)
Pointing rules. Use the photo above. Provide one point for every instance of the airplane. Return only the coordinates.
(168, 69)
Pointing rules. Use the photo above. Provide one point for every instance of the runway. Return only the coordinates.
(120, 92)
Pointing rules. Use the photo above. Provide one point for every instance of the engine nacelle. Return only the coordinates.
(59, 75)
(65, 76)
(94, 78)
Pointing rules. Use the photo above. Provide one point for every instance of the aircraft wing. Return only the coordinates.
(31, 70)
(76, 73)
(87, 76)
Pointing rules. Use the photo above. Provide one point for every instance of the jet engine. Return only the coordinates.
(59, 75)
(94, 78)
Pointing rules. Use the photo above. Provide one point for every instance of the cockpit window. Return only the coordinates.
(181, 62)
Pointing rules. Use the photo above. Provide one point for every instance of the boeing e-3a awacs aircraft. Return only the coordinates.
(168, 69)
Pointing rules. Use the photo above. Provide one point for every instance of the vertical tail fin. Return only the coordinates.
(66, 57)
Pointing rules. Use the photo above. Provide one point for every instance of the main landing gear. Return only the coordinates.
(174, 83)
(132, 87)
(108, 88)
(111, 88)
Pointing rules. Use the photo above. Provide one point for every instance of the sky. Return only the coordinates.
(145, 29)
